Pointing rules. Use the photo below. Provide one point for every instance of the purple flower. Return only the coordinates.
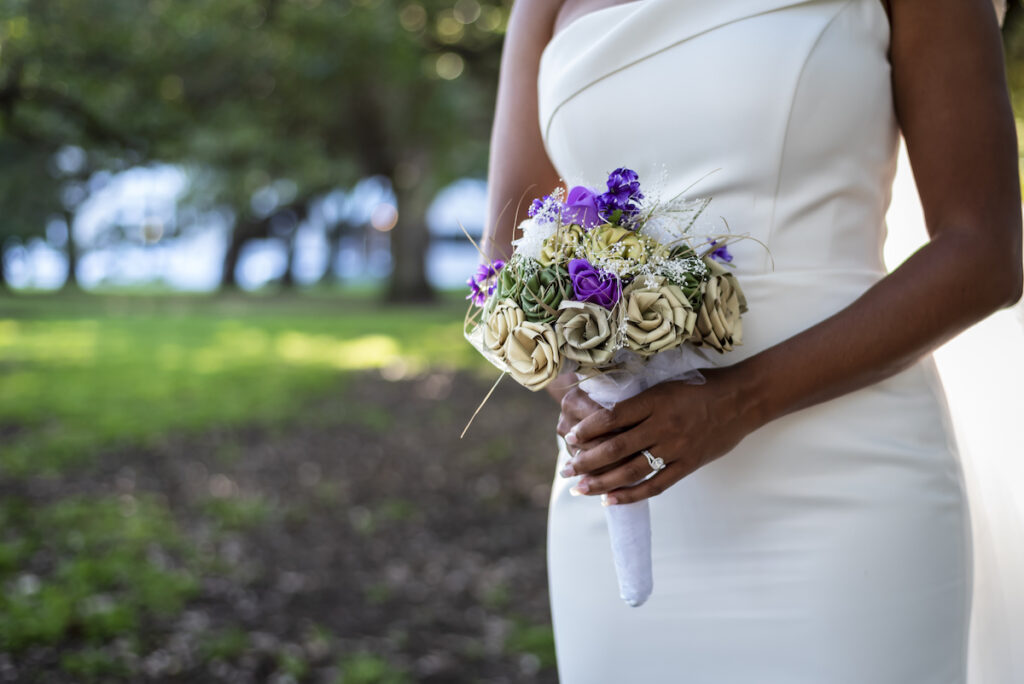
(623, 194)
(721, 254)
(545, 209)
(591, 284)
(581, 208)
(535, 206)
(483, 282)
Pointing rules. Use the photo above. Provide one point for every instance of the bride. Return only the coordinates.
(812, 523)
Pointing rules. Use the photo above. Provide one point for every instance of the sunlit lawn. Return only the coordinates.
(82, 372)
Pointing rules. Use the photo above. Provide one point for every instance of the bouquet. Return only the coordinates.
(621, 290)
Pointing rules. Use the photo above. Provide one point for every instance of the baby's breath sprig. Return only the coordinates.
(548, 209)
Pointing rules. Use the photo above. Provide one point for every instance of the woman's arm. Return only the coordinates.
(951, 100)
(519, 168)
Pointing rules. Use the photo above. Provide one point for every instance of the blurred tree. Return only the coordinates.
(28, 197)
(274, 103)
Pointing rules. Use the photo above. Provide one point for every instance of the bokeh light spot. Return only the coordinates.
(449, 29)
(450, 66)
(467, 11)
(413, 17)
(384, 217)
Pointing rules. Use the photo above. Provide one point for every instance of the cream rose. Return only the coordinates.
(719, 324)
(587, 333)
(500, 323)
(656, 315)
(531, 352)
(562, 246)
(617, 249)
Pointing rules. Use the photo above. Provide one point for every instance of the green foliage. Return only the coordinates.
(300, 95)
(79, 374)
(537, 640)
(224, 645)
(92, 665)
(238, 513)
(292, 664)
(111, 564)
(368, 668)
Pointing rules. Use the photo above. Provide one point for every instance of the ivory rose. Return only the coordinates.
(588, 335)
(616, 249)
(500, 323)
(656, 315)
(561, 246)
(719, 324)
(531, 352)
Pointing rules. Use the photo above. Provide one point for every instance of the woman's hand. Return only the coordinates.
(576, 406)
(686, 425)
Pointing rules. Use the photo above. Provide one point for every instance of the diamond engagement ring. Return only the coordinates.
(652, 460)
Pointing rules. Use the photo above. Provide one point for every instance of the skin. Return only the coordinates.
(952, 104)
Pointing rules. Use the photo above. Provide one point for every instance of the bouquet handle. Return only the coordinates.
(629, 530)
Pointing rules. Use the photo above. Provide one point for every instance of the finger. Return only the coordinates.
(628, 472)
(592, 444)
(613, 449)
(577, 402)
(575, 406)
(603, 421)
(569, 469)
(564, 424)
(665, 478)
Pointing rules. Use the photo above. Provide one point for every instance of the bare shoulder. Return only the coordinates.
(532, 22)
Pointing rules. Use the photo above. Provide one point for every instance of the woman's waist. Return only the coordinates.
(782, 303)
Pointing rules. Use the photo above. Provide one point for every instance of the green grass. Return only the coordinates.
(536, 640)
(79, 373)
(104, 577)
(224, 645)
(369, 668)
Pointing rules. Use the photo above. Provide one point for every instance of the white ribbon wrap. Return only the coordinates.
(629, 525)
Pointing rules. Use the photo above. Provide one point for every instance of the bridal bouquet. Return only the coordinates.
(620, 289)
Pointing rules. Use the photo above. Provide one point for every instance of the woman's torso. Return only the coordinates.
(779, 110)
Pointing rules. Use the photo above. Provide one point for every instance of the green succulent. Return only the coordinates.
(543, 291)
(683, 251)
(510, 281)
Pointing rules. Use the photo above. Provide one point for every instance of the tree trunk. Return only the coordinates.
(240, 234)
(71, 282)
(294, 215)
(288, 277)
(410, 240)
(329, 277)
(3, 274)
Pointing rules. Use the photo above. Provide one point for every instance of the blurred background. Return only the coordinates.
(232, 375)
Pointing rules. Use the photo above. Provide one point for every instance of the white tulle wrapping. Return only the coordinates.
(629, 525)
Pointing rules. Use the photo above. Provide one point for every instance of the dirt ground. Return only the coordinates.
(365, 543)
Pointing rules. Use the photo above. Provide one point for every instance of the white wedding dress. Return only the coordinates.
(833, 545)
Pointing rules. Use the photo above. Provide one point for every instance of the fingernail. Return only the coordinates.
(580, 488)
(571, 437)
(608, 500)
(568, 470)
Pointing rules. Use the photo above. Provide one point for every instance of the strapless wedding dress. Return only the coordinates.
(833, 545)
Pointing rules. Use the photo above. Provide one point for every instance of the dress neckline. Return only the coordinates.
(584, 17)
